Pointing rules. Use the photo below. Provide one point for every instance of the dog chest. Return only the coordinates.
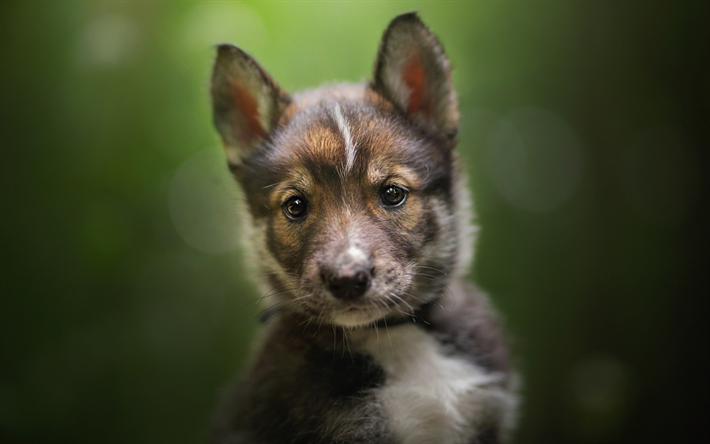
(428, 396)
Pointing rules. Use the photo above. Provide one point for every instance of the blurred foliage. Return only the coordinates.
(124, 303)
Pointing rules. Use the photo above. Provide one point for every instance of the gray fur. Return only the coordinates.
(329, 370)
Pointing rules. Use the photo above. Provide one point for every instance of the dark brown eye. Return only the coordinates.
(295, 207)
(393, 195)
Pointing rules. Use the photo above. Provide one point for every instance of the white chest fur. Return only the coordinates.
(430, 397)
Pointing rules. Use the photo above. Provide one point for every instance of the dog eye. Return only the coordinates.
(294, 207)
(393, 195)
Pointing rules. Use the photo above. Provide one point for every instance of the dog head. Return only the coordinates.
(351, 189)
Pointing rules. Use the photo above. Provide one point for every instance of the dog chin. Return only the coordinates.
(355, 318)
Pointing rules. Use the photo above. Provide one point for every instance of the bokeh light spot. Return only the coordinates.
(108, 40)
(535, 159)
(202, 203)
(599, 395)
(210, 23)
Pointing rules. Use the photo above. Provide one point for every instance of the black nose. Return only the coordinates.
(347, 284)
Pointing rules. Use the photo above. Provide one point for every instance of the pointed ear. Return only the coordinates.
(246, 102)
(413, 73)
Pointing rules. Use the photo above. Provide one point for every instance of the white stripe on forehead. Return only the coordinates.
(345, 131)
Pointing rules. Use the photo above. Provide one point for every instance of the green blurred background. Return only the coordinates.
(124, 298)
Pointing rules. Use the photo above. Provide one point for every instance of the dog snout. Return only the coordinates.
(347, 283)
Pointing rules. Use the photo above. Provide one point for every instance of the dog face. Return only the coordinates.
(351, 189)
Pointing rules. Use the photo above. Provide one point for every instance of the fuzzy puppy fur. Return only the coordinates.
(358, 217)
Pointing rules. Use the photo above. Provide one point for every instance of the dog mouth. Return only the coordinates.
(366, 309)
(365, 312)
(355, 316)
(323, 300)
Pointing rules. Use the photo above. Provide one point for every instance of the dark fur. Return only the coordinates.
(312, 380)
(302, 378)
(305, 375)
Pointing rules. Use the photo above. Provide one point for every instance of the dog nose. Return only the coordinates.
(347, 284)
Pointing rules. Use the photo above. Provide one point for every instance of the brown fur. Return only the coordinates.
(337, 150)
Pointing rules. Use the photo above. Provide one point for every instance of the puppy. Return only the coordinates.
(358, 216)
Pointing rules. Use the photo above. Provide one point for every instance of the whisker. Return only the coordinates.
(452, 295)
(377, 332)
(432, 268)
(388, 335)
(273, 294)
(289, 302)
(317, 329)
(347, 342)
(405, 302)
(343, 344)
(335, 335)
(443, 289)
(423, 301)
(427, 275)
(274, 306)
(267, 294)
(383, 303)
(308, 322)
(414, 296)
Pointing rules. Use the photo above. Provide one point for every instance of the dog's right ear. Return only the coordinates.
(246, 102)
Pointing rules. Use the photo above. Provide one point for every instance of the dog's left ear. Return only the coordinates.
(413, 73)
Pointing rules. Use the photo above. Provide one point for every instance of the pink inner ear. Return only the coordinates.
(414, 77)
(248, 116)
